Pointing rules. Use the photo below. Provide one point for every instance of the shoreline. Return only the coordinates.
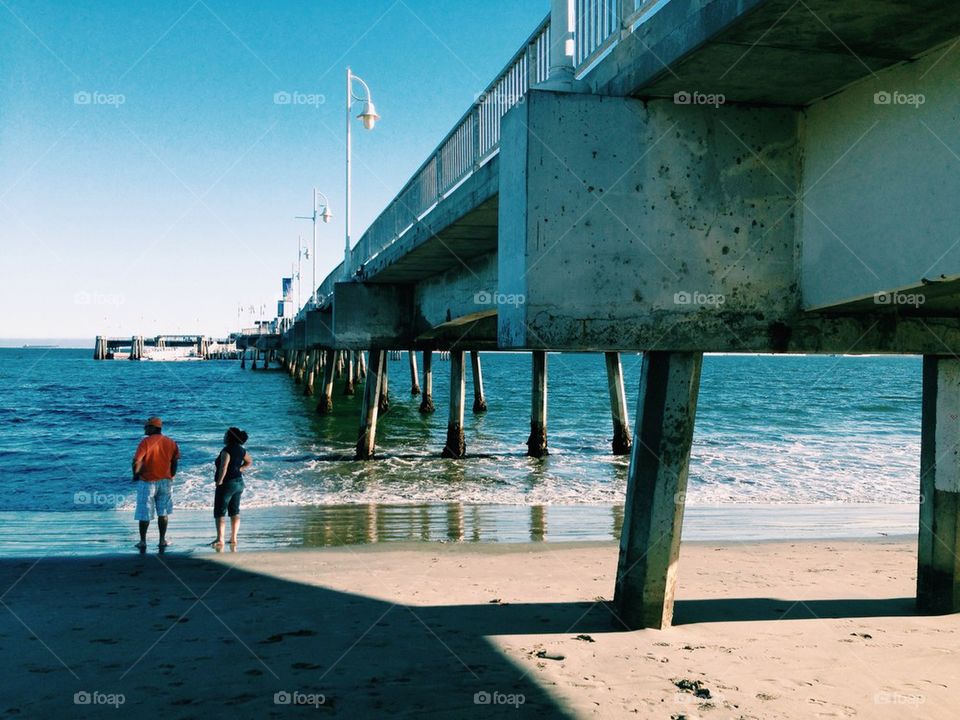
(91, 532)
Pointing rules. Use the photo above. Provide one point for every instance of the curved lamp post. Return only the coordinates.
(368, 115)
(321, 210)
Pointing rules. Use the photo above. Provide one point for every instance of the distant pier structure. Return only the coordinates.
(138, 347)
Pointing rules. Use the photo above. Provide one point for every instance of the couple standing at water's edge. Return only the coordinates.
(155, 465)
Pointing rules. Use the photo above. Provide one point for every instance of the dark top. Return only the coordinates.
(237, 453)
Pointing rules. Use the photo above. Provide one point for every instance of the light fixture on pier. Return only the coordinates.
(368, 115)
(321, 209)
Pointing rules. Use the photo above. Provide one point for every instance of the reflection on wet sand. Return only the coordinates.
(450, 522)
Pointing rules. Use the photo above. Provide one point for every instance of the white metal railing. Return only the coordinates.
(599, 25)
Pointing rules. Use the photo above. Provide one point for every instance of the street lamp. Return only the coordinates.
(368, 114)
(321, 210)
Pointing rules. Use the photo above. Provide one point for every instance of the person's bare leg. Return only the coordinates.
(234, 528)
(220, 524)
(144, 526)
(162, 527)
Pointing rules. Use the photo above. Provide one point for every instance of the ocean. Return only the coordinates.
(785, 446)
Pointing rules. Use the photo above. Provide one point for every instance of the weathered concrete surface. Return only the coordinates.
(318, 328)
(938, 574)
(770, 51)
(880, 185)
(373, 315)
(619, 218)
(467, 288)
(656, 489)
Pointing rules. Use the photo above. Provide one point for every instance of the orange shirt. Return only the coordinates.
(156, 453)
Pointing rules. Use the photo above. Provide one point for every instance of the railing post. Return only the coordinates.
(627, 9)
(532, 64)
(437, 191)
(476, 136)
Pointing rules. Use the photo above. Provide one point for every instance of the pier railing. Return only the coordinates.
(475, 139)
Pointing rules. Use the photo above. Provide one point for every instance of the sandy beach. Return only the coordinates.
(819, 629)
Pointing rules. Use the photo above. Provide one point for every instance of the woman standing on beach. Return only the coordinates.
(230, 463)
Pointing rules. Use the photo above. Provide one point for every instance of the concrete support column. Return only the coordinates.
(311, 362)
(656, 488)
(426, 402)
(340, 363)
(253, 359)
(243, 359)
(479, 400)
(385, 385)
(414, 380)
(369, 410)
(361, 366)
(348, 388)
(618, 404)
(455, 446)
(266, 358)
(537, 442)
(938, 569)
(325, 404)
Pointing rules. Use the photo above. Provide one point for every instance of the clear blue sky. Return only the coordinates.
(165, 212)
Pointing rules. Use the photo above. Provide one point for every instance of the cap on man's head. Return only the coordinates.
(154, 422)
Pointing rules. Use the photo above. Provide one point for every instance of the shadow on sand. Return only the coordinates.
(187, 638)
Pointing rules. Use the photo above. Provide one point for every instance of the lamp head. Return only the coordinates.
(368, 114)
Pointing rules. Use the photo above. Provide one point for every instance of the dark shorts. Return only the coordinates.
(226, 501)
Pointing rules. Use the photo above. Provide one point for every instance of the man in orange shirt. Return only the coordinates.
(154, 466)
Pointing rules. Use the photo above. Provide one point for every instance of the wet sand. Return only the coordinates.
(29, 534)
(763, 630)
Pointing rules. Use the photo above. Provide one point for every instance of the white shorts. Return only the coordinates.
(153, 498)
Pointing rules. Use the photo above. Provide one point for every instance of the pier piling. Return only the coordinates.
(348, 388)
(426, 401)
(656, 488)
(414, 380)
(367, 441)
(455, 446)
(479, 400)
(537, 442)
(325, 404)
(384, 395)
(938, 574)
(618, 404)
(311, 364)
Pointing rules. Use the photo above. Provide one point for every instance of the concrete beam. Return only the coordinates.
(369, 314)
(318, 328)
(617, 215)
(656, 489)
(770, 51)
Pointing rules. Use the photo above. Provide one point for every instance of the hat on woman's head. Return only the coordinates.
(154, 422)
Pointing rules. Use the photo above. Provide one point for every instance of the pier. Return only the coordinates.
(738, 177)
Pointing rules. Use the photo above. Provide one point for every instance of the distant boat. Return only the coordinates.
(40, 347)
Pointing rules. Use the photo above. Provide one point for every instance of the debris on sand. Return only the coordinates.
(693, 686)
